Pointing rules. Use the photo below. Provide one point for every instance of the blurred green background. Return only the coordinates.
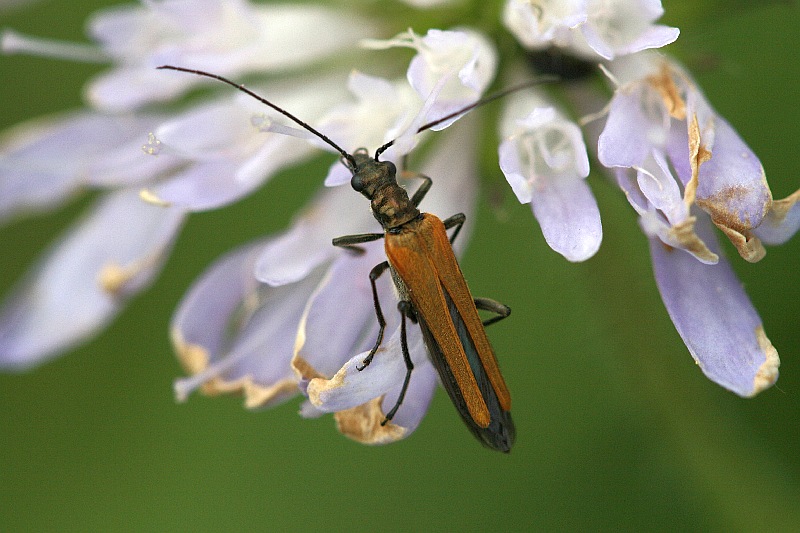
(617, 428)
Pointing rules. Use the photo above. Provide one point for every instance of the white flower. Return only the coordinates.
(544, 160)
(589, 28)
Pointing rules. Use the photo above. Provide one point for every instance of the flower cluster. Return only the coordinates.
(267, 319)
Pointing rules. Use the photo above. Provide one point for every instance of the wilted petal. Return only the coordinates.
(362, 398)
(732, 188)
(360, 405)
(82, 281)
(42, 163)
(236, 335)
(782, 220)
(715, 318)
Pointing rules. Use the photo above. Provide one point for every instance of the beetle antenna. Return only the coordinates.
(470, 107)
(349, 158)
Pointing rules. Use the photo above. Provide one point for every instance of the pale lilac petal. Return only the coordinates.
(356, 330)
(421, 389)
(350, 387)
(42, 163)
(715, 318)
(234, 334)
(228, 38)
(202, 186)
(308, 244)
(629, 132)
(81, 283)
(568, 215)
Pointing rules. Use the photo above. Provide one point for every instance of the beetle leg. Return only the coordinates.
(405, 310)
(487, 304)
(349, 242)
(374, 274)
(423, 189)
(455, 221)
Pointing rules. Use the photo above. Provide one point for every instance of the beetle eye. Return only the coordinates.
(356, 183)
(392, 168)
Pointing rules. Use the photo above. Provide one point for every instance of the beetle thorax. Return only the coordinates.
(377, 181)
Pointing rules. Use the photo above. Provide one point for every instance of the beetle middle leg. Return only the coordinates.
(374, 274)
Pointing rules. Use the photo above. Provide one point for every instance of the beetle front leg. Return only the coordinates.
(455, 221)
(349, 242)
(374, 274)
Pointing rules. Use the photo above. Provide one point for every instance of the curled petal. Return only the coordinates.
(782, 220)
(715, 318)
(463, 61)
(620, 27)
(361, 399)
(542, 24)
(81, 283)
(235, 335)
(732, 188)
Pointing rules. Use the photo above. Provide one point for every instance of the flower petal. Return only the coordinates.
(228, 38)
(235, 335)
(782, 220)
(43, 162)
(568, 215)
(307, 244)
(732, 188)
(81, 283)
(715, 318)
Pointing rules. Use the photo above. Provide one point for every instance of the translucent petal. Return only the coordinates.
(568, 215)
(626, 140)
(330, 337)
(308, 244)
(82, 281)
(230, 39)
(43, 162)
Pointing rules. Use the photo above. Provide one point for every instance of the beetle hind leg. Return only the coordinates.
(406, 311)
